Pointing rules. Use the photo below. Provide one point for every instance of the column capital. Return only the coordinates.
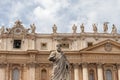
(24, 66)
(118, 66)
(76, 65)
(99, 65)
(2, 65)
(84, 64)
(32, 64)
(45, 65)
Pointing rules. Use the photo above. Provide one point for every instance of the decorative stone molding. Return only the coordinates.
(44, 65)
(108, 46)
(32, 54)
(3, 58)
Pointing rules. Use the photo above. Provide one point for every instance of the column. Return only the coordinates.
(100, 72)
(7, 72)
(54, 43)
(80, 72)
(33, 43)
(115, 73)
(74, 44)
(118, 71)
(71, 72)
(32, 71)
(85, 72)
(21, 72)
(2, 72)
(4, 44)
(10, 73)
(76, 72)
(25, 75)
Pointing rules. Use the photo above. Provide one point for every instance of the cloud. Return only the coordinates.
(63, 13)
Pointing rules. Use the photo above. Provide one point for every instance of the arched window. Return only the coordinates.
(91, 75)
(108, 74)
(43, 74)
(15, 74)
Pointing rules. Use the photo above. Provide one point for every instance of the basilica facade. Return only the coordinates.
(92, 55)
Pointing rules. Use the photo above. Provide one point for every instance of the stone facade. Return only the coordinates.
(92, 56)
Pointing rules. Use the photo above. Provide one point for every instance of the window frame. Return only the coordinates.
(16, 68)
(43, 69)
(107, 74)
(14, 43)
(41, 46)
(110, 67)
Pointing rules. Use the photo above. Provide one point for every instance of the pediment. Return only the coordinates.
(18, 28)
(107, 46)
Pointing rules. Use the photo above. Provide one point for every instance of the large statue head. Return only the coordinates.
(59, 47)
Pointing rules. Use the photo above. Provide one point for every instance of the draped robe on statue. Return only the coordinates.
(60, 66)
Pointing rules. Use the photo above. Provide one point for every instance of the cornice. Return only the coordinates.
(13, 52)
(65, 52)
(69, 35)
(99, 53)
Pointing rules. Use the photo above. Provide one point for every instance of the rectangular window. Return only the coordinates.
(65, 45)
(89, 44)
(43, 46)
(17, 44)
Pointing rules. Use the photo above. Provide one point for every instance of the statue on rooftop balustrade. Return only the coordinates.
(105, 27)
(114, 29)
(74, 28)
(2, 30)
(94, 28)
(54, 28)
(82, 28)
(60, 65)
(33, 27)
(8, 30)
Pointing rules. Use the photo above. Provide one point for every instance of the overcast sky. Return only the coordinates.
(63, 13)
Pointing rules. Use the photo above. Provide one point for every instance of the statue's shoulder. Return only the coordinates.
(53, 52)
